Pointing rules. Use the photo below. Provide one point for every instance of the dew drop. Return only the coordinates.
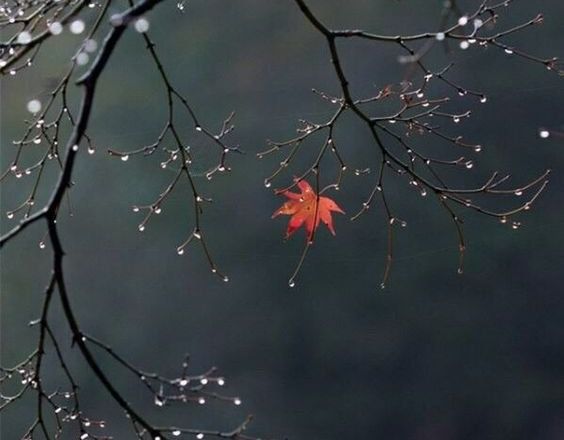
(116, 20)
(544, 134)
(56, 28)
(201, 401)
(477, 148)
(221, 382)
(469, 164)
(463, 21)
(464, 44)
(82, 59)
(200, 436)
(519, 192)
(226, 279)
(198, 128)
(41, 245)
(267, 183)
(176, 433)
(509, 51)
(291, 283)
(77, 27)
(75, 147)
(10, 214)
(90, 45)
(125, 157)
(141, 25)
(180, 250)
(237, 401)
(483, 99)
(141, 227)
(34, 106)
(440, 36)
(24, 37)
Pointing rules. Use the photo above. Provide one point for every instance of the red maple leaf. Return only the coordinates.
(302, 208)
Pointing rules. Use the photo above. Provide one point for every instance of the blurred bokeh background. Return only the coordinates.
(434, 356)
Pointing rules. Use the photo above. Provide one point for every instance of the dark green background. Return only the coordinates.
(434, 356)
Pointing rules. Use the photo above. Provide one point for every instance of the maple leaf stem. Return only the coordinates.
(292, 280)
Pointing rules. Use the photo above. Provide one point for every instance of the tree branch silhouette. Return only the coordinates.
(414, 115)
(398, 137)
(187, 388)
